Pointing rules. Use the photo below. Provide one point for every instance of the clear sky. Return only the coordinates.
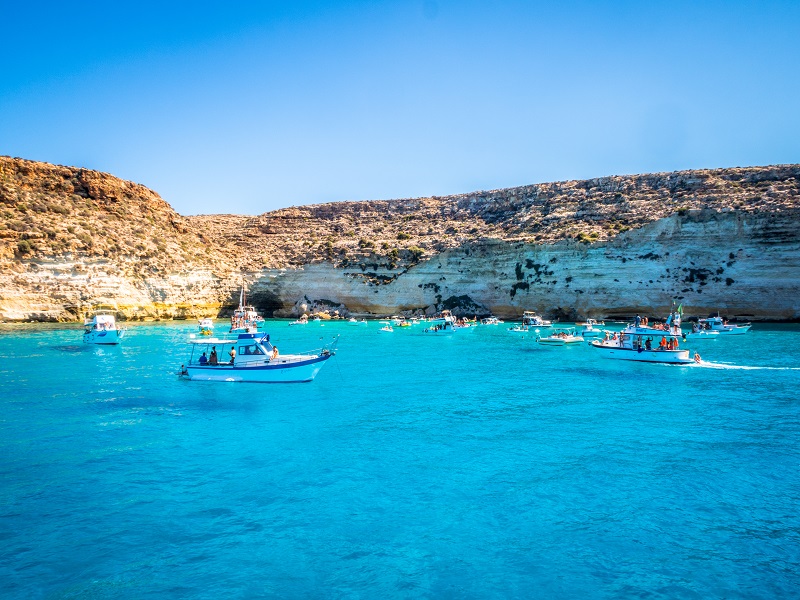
(248, 107)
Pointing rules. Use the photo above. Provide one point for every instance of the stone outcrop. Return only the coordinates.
(725, 239)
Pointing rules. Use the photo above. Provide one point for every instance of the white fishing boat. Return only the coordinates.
(206, 326)
(101, 328)
(561, 337)
(245, 318)
(255, 360)
(531, 319)
(591, 329)
(721, 326)
(645, 344)
(492, 320)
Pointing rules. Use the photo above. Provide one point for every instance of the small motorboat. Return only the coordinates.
(721, 326)
(492, 320)
(591, 329)
(518, 328)
(301, 321)
(561, 337)
(102, 329)
(531, 319)
(444, 324)
(206, 326)
(386, 329)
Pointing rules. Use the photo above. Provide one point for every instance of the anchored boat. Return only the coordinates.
(250, 357)
(531, 319)
(101, 328)
(561, 337)
(723, 327)
(591, 329)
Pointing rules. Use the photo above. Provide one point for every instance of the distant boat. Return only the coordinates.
(245, 318)
(256, 361)
(102, 329)
(561, 337)
(723, 327)
(491, 321)
(301, 321)
(531, 319)
(444, 324)
(591, 329)
(206, 326)
(356, 322)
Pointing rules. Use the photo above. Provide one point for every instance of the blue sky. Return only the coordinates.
(244, 108)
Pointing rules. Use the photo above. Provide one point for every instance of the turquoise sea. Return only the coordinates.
(478, 466)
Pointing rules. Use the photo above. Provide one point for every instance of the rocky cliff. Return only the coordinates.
(725, 239)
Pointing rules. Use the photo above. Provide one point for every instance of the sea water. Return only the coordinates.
(480, 465)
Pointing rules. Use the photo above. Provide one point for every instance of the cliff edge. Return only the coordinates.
(722, 239)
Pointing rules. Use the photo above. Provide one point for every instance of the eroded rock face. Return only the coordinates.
(713, 240)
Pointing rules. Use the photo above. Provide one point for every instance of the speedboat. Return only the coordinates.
(723, 327)
(256, 360)
(356, 322)
(386, 329)
(645, 344)
(591, 329)
(531, 319)
(102, 329)
(561, 337)
(301, 321)
(518, 328)
(206, 326)
(491, 321)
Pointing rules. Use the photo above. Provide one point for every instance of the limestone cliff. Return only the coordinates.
(723, 239)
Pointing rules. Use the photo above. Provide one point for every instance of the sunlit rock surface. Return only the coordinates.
(728, 240)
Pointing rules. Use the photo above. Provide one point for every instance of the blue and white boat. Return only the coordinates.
(254, 360)
(102, 329)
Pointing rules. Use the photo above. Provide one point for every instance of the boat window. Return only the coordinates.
(249, 350)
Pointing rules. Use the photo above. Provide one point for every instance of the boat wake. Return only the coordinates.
(726, 366)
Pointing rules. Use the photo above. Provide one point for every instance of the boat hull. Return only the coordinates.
(702, 335)
(104, 338)
(293, 371)
(675, 357)
(734, 330)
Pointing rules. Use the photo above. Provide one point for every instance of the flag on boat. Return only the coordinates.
(680, 308)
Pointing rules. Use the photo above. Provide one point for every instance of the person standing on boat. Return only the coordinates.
(232, 354)
(638, 320)
(212, 359)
